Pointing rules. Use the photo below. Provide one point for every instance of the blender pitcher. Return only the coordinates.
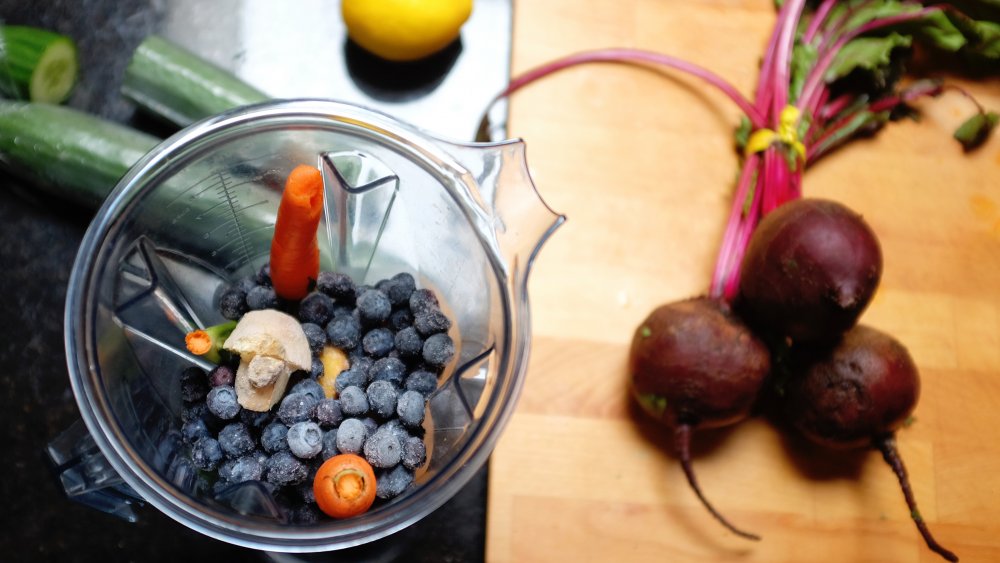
(196, 214)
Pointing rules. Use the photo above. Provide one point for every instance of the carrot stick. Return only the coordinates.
(294, 250)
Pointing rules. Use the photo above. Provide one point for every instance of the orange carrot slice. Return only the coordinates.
(294, 250)
(344, 486)
(198, 342)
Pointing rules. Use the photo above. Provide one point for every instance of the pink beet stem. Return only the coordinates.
(621, 55)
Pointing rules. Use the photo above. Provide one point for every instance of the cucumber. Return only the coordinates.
(36, 64)
(177, 85)
(74, 155)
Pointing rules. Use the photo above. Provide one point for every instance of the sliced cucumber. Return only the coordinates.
(36, 64)
(177, 85)
(75, 155)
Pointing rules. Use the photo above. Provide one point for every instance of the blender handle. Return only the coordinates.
(87, 477)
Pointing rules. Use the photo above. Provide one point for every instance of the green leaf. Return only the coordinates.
(803, 60)
(871, 53)
(743, 133)
(869, 11)
(983, 37)
(988, 43)
(937, 29)
(975, 130)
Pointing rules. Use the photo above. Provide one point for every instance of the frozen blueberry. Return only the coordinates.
(316, 308)
(414, 453)
(262, 297)
(377, 342)
(264, 274)
(351, 436)
(339, 286)
(246, 284)
(306, 491)
(194, 429)
(423, 300)
(284, 469)
(329, 444)
(316, 369)
(225, 470)
(353, 401)
(421, 381)
(382, 397)
(274, 437)
(246, 468)
(361, 362)
(351, 377)
(410, 408)
(371, 425)
(390, 369)
(393, 482)
(255, 420)
(383, 449)
(194, 411)
(409, 343)
(222, 402)
(341, 310)
(374, 307)
(315, 335)
(310, 387)
(206, 453)
(438, 349)
(235, 439)
(397, 428)
(296, 407)
(431, 322)
(305, 515)
(344, 332)
(233, 303)
(194, 384)
(221, 375)
(400, 319)
(329, 413)
(305, 439)
(400, 288)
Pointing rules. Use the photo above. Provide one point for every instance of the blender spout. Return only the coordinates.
(520, 220)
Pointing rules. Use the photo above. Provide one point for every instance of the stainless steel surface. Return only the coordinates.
(299, 49)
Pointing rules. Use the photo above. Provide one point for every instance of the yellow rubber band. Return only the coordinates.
(787, 134)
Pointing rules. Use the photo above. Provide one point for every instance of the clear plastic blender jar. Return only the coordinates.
(197, 213)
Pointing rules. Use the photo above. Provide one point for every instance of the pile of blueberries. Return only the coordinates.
(396, 338)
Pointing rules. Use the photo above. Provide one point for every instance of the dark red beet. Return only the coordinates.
(857, 395)
(693, 365)
(810, 269)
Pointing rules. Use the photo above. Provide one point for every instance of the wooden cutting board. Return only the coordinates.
(641, 162)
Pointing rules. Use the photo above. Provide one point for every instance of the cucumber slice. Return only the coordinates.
(177, 85)
(36, 64)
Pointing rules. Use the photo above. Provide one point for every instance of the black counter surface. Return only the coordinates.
(39, 236)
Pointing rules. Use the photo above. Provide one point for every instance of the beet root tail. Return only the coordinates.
(887, 445)
(682, 441)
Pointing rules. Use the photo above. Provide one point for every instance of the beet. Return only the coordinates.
(810, 269)
(694, 364)
(857, 394)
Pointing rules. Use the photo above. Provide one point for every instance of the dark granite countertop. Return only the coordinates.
(39, 236)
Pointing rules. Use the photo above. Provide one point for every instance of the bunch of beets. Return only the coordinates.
(810, 269)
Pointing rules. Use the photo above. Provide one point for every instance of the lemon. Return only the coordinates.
(404, 30)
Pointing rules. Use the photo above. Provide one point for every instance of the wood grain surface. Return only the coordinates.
(641, 162)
